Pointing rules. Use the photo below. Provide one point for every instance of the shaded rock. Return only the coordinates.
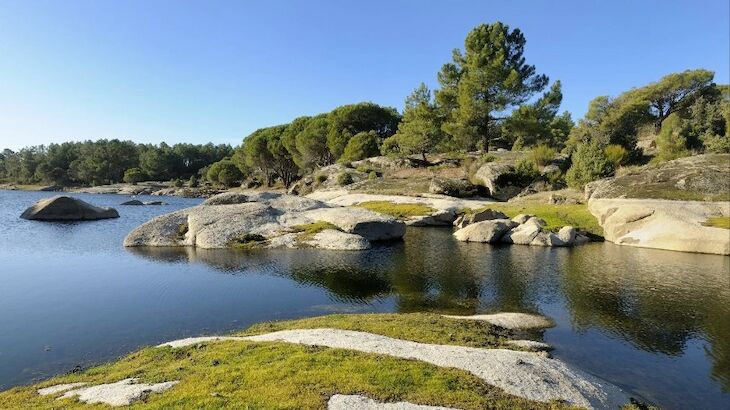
(699, 177)
(493, 176)
(132, 202)
(485, 215)
(368, 224)
(523, 234)
(438, 218)
(155, 203)
(51, 188)
(485, 231)
(545, 238)
(64, 208)
(460, 188)
(226, 198)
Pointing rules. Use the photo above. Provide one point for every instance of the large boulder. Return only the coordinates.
(484, 215)
(699, 177)
(672, 225)
(494, 176)
(460, 188)
(485, 231)
(266, 220)
(524, 233)
(64, 208)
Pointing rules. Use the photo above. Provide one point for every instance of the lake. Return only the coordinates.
(656, 323)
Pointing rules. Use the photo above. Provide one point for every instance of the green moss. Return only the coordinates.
(718, 222)
(556, 216)
(400, 211)
(237, 374)
(247, 241)
(307, 231)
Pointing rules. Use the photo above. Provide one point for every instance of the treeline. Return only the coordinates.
(488, 97)
(107, 161)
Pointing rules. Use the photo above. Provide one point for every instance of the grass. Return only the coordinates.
(307, 231)
(400, 211)
(247, 241)
(239, 374)
(718, 222)
(556, 216)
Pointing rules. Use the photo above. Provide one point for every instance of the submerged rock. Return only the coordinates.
(64, 208)
(266, 220)
(132, 202)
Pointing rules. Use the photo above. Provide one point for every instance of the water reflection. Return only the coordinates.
(655, 300)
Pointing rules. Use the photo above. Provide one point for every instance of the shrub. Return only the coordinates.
(488, 158)
(717, 143)
(672, 142)
(542, 155)
(362, 145)
(525, 172)
(177, 183)
(224, 172)
(616, 155)
(344, 178)
(588, 163)
(133, 175)
(372, 175)
(320, 178)
(193, 182)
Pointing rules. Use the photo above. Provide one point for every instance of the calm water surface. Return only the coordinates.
(657, 323)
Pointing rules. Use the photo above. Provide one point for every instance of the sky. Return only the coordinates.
(200, 71)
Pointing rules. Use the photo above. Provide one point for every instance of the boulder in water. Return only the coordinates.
(64, 208)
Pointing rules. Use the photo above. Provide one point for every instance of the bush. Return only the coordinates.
(525, 172)
(717, 143)
(542, 155)
(193, 182)
(320, 178)
(372, 175)
(362, 145)
(344, 178)
(616, 155)
(133, 175)
(588, 163)
(224, 172)
(672, 141)
(177, 183)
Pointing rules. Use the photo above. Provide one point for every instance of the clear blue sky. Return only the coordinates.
(199, 71)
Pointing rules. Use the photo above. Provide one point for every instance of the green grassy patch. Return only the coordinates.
(237, 374)
(418, 327)
(718, 222)
(401, 211)
(307, 231)
(247, 241)
(556, 216)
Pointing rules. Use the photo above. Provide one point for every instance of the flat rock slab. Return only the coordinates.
(524, 374)
(121, 393)
(511, 320)
(660, 224)
(356, 402)
(529, 344)
(343, 197)
(59, 388)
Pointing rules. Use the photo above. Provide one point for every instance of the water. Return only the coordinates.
(657, 323)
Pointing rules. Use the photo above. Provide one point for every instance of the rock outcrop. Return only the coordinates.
(699, 177)
(460, 188)
(64, 208)
(659, 224)
(266, 220)
(520, 230)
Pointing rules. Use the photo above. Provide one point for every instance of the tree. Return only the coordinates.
(283, 162)
(265, 151)
(671, 142)
(538, 123)
(224, 172)
(133, 175)
(588, 163)
(419, 132)
(491, 76)
(256, 155)
(311, 143)
(289, 139)
(674, 92)
(348, 120)
(362, 145)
